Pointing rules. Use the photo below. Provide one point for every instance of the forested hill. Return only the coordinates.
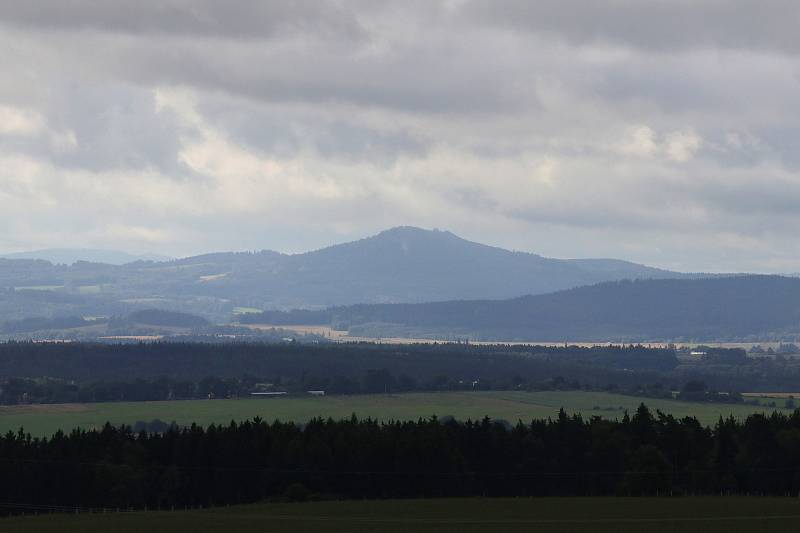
(731, 308)
(407, 265)
(403, 264)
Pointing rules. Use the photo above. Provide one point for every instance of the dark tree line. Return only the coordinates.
(15, 391)
(194, 360)
(254, 460)
(86, 372)
(48, 390)
(33, 372)
(52, 391)
(83, 362)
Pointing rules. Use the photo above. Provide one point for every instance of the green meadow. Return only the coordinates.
(511, 406)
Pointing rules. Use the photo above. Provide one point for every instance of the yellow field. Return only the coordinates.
(771, 394)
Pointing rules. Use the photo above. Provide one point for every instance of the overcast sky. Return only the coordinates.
(663, 132)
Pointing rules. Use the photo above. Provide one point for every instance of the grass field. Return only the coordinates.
(547, 515)
(511, 406)
(245, 310)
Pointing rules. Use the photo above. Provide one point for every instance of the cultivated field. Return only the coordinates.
(546, 515)
(762, 396)
(510, 406)
(344, 336)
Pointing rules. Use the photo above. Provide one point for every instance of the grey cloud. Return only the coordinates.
(230, 18)
(360, 143)
(113, 128)
(116, 128)
(408, 79)
(655, 24)
(399, 62)
(286, 132)
(671, 87)
(784, 140)
(776, 143)
(768, 202)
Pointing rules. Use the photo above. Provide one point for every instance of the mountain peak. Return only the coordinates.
(414, 231)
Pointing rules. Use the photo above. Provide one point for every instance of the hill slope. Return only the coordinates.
(405, 265)
(730, 308)
(398, 265)
(412, 265)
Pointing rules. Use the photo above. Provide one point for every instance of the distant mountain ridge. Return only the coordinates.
(400, 265)
(737, 308)
(69, 256)
(408, 264)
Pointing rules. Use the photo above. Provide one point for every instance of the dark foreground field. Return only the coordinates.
(595, 515)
